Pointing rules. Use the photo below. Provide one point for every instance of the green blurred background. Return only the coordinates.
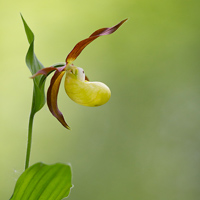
(144, 144)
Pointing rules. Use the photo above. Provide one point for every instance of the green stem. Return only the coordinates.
(30, 129)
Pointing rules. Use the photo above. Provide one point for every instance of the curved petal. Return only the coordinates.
(52, 95)
(44, 71)
(82, 44)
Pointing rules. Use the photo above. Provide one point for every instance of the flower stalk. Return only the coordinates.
(29, 142)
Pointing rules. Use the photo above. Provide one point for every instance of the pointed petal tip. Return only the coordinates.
(67, 127)
(125, 20)
(32, 77)
(63, 123)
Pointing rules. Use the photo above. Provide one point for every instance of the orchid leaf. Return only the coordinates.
(34, 65)
(44, 182)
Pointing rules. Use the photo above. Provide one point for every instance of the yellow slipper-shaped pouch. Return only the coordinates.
(85, 92)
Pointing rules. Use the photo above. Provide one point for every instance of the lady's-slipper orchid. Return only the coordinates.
(77, 85)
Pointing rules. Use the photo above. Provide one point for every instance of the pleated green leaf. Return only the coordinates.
(43, 182)
(34, 65)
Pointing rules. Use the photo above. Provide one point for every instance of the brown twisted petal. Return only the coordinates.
(52, 95)
(82, 44)
(44, 71)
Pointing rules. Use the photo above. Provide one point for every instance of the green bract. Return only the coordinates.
(34, 65)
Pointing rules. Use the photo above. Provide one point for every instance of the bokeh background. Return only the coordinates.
(144, 143)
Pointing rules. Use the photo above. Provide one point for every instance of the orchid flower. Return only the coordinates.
(77, 85)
